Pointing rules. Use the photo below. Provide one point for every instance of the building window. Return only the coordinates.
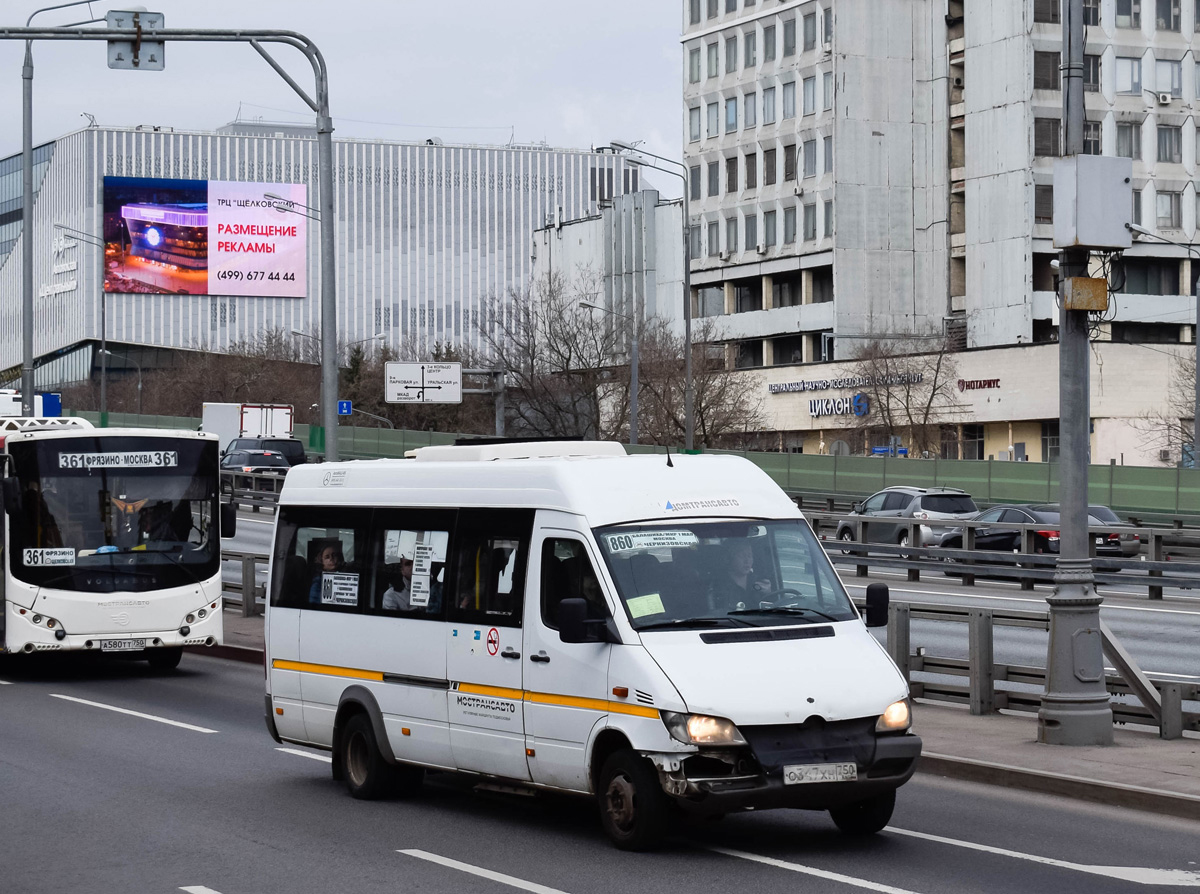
(694, 66)
(1045, 136)
(731, 5)
(789, 163)
(714, 120)
(769, 167)
(1195, 19)
(730, 54)
(1170, 143)
(1136, 214)
(1169, 210)
(750, 43)
(827, 26)
(694, 242)
(829, 155)
(769, 228)
(789, 98)
(694, 183)
(810, 158)
(1091, 74)
(1045, 71)
(1167, 15)
(1129, 140)
(1046, 11)
(1043, 204)
(1151, 277)
(1129, 13)
(769, 43)
(751, 232)
(810, 96)
(789, 225)
(1129, 74)
(714, 238)
(1091, 13)
(810, 31)
(829, 219)
(694, 123)
(1168, 77)
(810, 223)
(789, 38)
(1050, 436)
(694, 12)
(731, 234)
(750, 110)
(712, 9)
(731, 114)
(714, 178)
(769, 105)
(714, 65)
(1091, 138)
(751, 170)
(731, 174)
(828, 89)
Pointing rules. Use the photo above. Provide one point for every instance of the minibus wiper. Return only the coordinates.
(784, 610)
(704, 621)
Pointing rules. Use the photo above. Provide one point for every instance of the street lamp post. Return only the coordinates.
(689, 420)
(1192, 250)
(633, 365)
(97, 241)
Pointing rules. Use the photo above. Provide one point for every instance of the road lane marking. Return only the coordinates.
(199, 889)
(813, 871)
(181, 725)
(307, 754)
(1182, 878)
(500, 877)
(5, 682)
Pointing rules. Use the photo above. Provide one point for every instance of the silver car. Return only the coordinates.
(891, 509)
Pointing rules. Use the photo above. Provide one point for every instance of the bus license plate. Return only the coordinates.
(122, 645)
(797, 774)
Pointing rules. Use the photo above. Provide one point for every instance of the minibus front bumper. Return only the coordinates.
(716, 782)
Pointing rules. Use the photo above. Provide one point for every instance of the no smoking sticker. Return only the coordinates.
(493, 641)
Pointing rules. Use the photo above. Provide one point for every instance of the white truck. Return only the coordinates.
(229, 421)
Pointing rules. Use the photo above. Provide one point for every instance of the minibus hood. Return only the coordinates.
(838, 677)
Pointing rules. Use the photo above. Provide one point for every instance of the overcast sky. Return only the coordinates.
(570, 72)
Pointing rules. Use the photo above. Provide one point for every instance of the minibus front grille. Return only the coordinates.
(815, 741)
(764, 635)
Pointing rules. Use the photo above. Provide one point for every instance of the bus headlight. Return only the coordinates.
(896, 718)
(700, 729)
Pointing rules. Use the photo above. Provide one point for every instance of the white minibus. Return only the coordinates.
(664, 633)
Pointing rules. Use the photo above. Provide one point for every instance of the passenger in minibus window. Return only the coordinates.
(329, 559)
(398, 596)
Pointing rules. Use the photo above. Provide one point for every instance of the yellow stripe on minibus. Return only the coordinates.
(494, 691)
(327, 669)
(593, 704)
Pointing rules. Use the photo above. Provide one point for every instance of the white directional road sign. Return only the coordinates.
(423, 383)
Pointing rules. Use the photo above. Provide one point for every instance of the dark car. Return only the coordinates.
(261, 462)
(1120, 544)
(1002, 534)
(292, 450)
(892, 508)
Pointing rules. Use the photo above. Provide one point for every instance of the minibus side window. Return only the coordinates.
(318, 559)
(489, 556)
(409, 552)
(567, 573)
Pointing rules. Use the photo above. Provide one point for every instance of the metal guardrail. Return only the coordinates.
(263, 489)
(1161, 701)
(248, 600)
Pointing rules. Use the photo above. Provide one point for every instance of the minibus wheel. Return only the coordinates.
(368, 775)
(633, 808)
(166, 658)
(866, 817)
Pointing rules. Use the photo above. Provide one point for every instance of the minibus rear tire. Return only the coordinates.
(865, 817)
(634, 810)
(368, 775)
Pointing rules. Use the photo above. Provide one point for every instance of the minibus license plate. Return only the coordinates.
(122, 645)
(800, 773)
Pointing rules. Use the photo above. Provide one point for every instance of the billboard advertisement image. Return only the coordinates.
(203, 237)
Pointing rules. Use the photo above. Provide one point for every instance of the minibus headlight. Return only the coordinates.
(700, 729)
(896, 719)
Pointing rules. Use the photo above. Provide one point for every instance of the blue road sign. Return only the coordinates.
(345, 407)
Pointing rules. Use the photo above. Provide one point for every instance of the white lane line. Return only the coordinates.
(1182, 878)
(307, 754)
(199, 889)
(5, 682)
(500, 877)
(813, 871)
(84, 701)
(960, 595)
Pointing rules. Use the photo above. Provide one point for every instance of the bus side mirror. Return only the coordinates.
(572, 621)
(12, 495)
(877, 605)
(228, 519)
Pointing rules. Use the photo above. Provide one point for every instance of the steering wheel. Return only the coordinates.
(769, 595)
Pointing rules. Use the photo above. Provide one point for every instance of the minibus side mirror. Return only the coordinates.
(877, 605)
(574, 626)
(228, 519)
(12, 496)
(855, 507)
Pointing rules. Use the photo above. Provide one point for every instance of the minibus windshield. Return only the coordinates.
(706, 573)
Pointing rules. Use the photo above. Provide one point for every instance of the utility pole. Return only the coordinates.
(1075, 707)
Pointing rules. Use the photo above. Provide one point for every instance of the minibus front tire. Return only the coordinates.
(865, 817)
(368, 775)
(634, 810)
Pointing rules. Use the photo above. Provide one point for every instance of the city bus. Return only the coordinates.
(111, 540)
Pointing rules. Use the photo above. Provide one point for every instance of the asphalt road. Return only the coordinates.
(189, 793)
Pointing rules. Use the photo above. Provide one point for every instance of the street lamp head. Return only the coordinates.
(623, 146)
(1138, 228)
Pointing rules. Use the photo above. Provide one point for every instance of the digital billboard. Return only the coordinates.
(203, 237)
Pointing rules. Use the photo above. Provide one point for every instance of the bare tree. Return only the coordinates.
(1168, 430)
(910, 385)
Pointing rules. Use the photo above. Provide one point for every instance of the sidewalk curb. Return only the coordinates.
(1112, 793)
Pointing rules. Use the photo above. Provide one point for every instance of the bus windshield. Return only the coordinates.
(101, 514)
(723, 574)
